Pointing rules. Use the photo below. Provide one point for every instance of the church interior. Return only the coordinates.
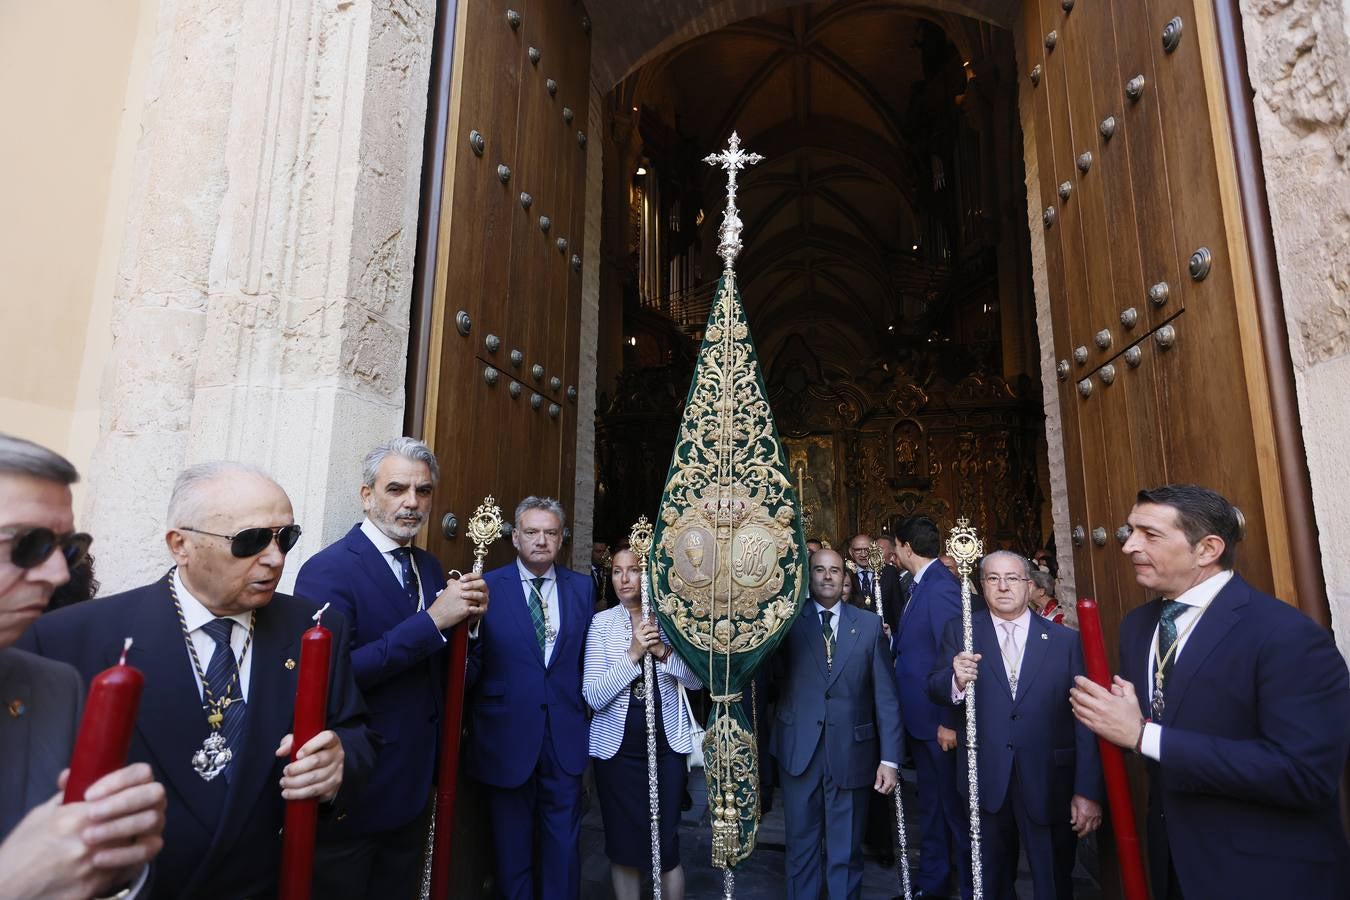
(886, 270)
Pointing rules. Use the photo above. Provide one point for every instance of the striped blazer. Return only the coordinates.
(609, 672)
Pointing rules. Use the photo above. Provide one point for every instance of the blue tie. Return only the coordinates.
(221, 676)
(410, 584)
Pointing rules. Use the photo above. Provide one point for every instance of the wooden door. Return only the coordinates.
(1161, 369)
(505, 339)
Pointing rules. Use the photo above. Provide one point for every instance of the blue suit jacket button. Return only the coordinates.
(1010, 746)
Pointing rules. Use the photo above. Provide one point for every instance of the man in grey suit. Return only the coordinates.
(48, 849)
(837, 733)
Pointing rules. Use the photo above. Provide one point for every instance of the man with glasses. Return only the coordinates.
(930, 728)
(48, 849)
(399, 606)
(1040, 774)
(529, 738)
(219, 649)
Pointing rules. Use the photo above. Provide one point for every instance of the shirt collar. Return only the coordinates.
(527, 576)
(820, 609)
(919, 575)
(383, 542)
(1204, 592)
(194, 614)
(1023, 623)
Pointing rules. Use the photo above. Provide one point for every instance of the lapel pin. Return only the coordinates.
(853, 631)
(1044, 636)
(290, 664)
(17, 709)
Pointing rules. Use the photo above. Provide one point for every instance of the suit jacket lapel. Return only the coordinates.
(271, 693)
(986, 635)
(374, 565)
(517, 611)
(1033, 655)
(1215, 622)
(16, 734)
(565, 617)
(1137, 655)
(846, 638)
(172, 723)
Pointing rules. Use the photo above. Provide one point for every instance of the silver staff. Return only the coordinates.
(875, 560)
(640, 539)
(966, 548)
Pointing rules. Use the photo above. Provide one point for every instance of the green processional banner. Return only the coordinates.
(728, 555)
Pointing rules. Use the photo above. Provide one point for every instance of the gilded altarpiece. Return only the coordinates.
(867, 452)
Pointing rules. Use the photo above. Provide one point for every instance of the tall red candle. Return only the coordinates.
(1113, 763)
(311, 707)
(105, 728)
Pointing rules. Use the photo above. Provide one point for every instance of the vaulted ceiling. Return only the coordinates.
(842, 99)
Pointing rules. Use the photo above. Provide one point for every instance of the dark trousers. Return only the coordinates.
(817, 810)
(544, 813)
(383, 864)
(942, 828)
(1010, 829)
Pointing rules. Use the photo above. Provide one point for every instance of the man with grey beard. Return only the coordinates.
(400, 607)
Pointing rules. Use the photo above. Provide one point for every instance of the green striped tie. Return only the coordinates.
(537, 611)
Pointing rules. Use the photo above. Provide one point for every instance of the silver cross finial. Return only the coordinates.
(732, 160)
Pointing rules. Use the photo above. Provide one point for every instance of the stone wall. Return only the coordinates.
(261, 305)
(1298, 59)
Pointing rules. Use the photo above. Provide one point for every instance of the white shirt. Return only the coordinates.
(1197, 598)
(196, 615)
(549, 592)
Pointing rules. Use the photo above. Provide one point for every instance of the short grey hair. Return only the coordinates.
(185, 503)
(547, 504)
(1027, 567)
(1043, 580)
(21, 457)
(406, 447)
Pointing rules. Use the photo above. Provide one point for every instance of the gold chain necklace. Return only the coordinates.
(213, 756)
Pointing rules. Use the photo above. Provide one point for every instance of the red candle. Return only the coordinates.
(105, 728)
(1113, 763)
(311, 707)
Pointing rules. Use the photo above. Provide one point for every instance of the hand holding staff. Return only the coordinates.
(640, 539)
(484, 528)
(965, 548)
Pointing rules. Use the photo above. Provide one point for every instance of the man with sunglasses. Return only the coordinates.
(219, 649)
(398, 603)
(46, 848)
(1040, 772)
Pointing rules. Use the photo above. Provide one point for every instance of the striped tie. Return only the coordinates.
(537, 611)
(220, 675)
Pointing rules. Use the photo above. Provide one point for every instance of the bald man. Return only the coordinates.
(218, 646)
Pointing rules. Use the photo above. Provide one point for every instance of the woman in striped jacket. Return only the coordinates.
(614, 688)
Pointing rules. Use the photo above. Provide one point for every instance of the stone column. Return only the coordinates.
(1298, 59)
(261, 306)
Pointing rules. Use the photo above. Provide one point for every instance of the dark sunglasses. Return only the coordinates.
(252, 541)
(34, 546)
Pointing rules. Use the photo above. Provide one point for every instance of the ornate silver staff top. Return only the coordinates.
(732, 160)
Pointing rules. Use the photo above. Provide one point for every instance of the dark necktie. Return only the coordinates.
(1167, 636)
(537, 611)
(826, 616)
(410, 585)
(222, 677)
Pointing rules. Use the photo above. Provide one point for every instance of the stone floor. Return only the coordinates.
(760, 877)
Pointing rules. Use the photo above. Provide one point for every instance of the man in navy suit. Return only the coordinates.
(396, 600)
(836, 734)
(1243, 719)
(1040, 773)
(529, 736)
(218, 647)
(930, 728)
(47, 848)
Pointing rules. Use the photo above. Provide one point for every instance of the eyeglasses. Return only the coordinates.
(996, 580)
(34, 546)
(252, 541)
